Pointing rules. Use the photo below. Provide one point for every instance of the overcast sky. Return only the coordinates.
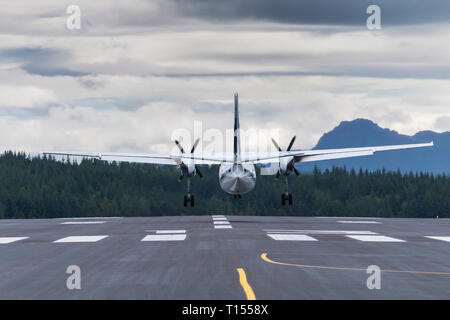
(139, 70)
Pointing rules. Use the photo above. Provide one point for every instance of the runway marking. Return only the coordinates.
(170, 231)
(291, 237)
(265, 258)
(447, 239)
(320, 231)
(223, 227)
(245, 285)
(221, 222)
(80, 239)
(6, 240)
(88, 218)
(83, 222)
(164, 237)
(373, 222)
(375, 238)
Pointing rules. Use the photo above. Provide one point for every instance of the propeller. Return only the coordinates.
(288, 149)
(194, 146)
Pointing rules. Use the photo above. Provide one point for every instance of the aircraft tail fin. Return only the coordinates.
(237, 136)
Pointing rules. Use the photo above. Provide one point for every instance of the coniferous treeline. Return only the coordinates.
(46, 188)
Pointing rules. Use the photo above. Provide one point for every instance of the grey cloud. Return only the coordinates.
(393, 72)
(342, 12)
(24, 113)
(107, 103)
(41, 61)
(443, 123)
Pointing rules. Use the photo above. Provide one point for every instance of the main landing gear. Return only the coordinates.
(188, 170)
(189, 198)
(286, 196)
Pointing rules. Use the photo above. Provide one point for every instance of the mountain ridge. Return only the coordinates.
(362, 132)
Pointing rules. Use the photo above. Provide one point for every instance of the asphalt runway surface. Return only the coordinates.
(225, 257)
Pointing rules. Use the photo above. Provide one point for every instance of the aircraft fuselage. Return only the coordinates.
(237, 179)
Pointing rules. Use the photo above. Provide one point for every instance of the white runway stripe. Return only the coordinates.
(5, 240)
(291, 237)
(88, 218)
(221, 222)
(447, 239)
(357, 222)
(83, 222)
(170, 231)
(375, 238)
(223, 227)
(320, 231)
(164, 237)
(80, 239)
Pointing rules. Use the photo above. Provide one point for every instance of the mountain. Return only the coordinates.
(363, 133)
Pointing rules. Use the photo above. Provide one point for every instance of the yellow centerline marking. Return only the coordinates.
(265, 258)
(245, 285)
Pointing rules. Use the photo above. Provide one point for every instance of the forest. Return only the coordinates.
(40, 187)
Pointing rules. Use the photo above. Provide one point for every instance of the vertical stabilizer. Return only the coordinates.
(237, 136)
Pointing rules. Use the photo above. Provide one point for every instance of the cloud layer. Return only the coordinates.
(137, 72)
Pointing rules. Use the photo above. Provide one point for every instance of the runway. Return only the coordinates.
(209, 257)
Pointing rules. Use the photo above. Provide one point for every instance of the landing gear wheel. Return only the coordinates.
(283, 199)
(290, 199)
(192, 201)
(185, 201)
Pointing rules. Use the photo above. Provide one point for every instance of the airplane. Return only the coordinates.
(237, 175)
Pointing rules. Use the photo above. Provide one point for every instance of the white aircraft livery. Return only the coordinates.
(237, 174)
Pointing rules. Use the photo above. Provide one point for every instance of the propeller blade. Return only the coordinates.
(291, 143)
(276, 145)
(179, 146)
(278, 175)
(296, 171)
(195, 145)
(199, 173)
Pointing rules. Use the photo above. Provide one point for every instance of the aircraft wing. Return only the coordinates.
(254, 157)
(154, 158)
(327, 154)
